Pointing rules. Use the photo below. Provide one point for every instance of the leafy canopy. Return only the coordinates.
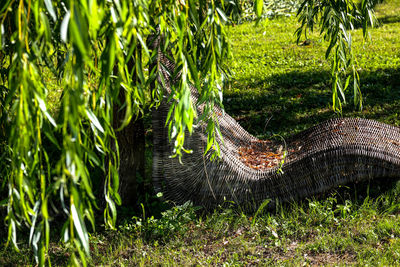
(103, 55)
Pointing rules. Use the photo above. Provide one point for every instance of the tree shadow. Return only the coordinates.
(388, 19)
(286, 104)
(359, 191)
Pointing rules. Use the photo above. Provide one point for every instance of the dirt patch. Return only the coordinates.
(310, 258)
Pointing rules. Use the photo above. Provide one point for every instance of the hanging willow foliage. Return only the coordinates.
(336, 19)
(101, 53)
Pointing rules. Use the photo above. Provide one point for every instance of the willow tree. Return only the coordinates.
(102, 55)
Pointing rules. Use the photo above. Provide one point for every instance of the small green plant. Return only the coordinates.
(344, 210)
(260, 210)
(322, 212)
(172, 221)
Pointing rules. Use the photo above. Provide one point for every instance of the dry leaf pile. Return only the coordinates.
(261, 155)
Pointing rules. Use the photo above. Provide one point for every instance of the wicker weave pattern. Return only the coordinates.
(325, 156)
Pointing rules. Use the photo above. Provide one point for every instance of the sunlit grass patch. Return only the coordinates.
(279, 87)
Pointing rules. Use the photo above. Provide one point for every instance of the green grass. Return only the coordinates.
(278, 87)
(287, 85)
(315, 232)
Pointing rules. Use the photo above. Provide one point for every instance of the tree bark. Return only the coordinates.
(131, 142)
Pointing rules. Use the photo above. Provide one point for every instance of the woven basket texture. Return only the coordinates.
(325, 156)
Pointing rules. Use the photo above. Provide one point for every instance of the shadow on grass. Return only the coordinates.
(359, 191)
(389, 19)
(288, 103)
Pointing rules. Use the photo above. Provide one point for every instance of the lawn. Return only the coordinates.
(288, 85)
(277, 88)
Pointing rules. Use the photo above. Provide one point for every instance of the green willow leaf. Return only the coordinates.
(4, 5)
(80, 228)
(50, 8)
(93, 119)
(113, 210)
(64, 27)
(1, 35)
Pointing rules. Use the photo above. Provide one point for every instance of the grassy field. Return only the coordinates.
(278, 87)
(288, 85)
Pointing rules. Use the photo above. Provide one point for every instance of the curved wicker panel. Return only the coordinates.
(332, 153)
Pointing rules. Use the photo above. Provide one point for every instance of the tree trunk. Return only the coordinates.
(131, 142)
